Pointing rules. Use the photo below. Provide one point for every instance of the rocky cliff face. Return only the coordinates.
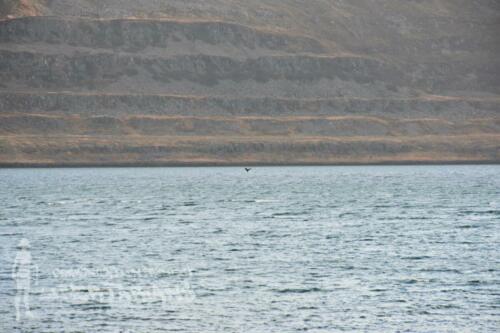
(249, 82)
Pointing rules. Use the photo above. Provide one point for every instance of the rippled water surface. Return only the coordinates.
(278, 249)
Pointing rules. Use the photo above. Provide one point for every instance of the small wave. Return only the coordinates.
(347, 214)
(477, 283)
(265, 200)
(383, 206)
(416, 257)
(441, 270)
(293, 214)
(298, 290)
(284, 214)
(119, 240)
(86, 307)
(378, 290)
(467, 226)
(332, 236)
(445, 306)
(477, 213)
(307, 308)
(258, 233)
(348, 268)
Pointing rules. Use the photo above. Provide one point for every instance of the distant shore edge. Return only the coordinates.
(14, 165)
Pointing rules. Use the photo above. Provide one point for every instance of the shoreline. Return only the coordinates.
(236, 164)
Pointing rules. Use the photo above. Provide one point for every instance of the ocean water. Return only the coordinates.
(278, 249)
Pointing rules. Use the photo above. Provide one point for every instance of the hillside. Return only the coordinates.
(243, 82)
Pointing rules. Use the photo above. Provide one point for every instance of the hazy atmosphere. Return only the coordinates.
(249, 166)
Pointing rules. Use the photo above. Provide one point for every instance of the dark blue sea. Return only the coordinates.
(276, 249)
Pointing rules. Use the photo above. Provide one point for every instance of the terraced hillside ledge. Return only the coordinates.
(167, 91)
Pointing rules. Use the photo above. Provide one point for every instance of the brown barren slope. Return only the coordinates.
(249, 82)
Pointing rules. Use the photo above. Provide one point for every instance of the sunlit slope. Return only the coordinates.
(142, 82)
